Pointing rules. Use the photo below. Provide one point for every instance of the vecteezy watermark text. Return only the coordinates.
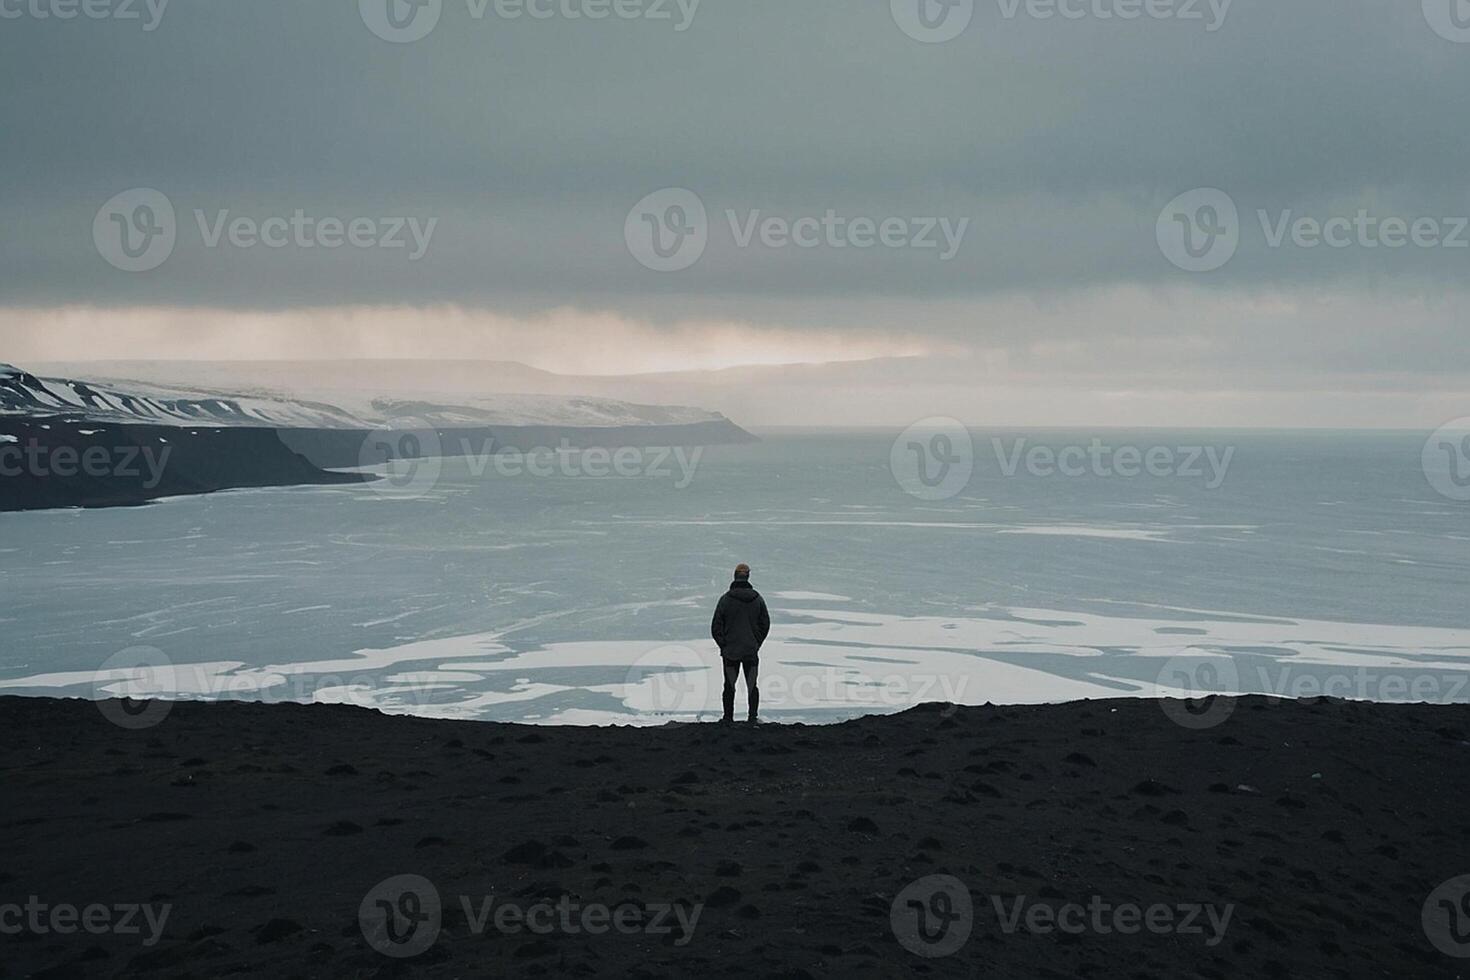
(1103, 918)
(65, 462)
(1201, 230)
(568, 917)
(832, 230)
(148, 12)
(675, 680)
(402, 917)
(40, 918)
(934, 459)
(138, 230)
(934, 916)
(308, 231)
(1362, 230)
(1211, 13)
(136, 688)
(679, 12)
(414, 453)
(937, 21)
(406, 21)
(1210, 681)
(1366, 684)
(594, 462)
(1100, 459)
(669, 231)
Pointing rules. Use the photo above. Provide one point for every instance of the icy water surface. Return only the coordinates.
(1320, 559)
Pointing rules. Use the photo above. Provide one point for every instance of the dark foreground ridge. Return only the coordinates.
(1323, 827)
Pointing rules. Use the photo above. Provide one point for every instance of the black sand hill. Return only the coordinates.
(1324, 826)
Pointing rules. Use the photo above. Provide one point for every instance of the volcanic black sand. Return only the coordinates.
(1324, 828)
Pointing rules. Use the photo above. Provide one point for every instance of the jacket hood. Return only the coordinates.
(743, 591)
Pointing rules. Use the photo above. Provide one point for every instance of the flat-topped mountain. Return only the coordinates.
(129, 432)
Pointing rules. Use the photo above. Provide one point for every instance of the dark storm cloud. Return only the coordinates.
(530, 139)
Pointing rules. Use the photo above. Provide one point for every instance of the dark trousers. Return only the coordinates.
(732, 673)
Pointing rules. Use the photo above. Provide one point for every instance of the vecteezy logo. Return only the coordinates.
(136, 230)
(1446, 460)
(933, 21)
(401, 21)
(1199, 231)
(126, 686)
(401, 916)
(1446, 917)
(933, 916)
(411, 453)
(1449, 18)
(1205, 680)
(933, 459)
(668, 230)
(671, 680)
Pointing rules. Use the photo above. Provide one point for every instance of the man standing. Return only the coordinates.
(740, 626)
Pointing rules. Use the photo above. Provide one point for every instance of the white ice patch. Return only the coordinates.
(822, 664)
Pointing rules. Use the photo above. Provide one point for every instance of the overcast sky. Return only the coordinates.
(998, 204)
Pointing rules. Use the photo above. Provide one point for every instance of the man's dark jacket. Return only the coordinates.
(741, 622)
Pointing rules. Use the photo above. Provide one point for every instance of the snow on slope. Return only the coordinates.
(158, 393)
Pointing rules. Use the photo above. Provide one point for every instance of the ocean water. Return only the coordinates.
(1321, 562)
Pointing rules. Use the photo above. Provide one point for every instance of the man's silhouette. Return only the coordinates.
(740, 626)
